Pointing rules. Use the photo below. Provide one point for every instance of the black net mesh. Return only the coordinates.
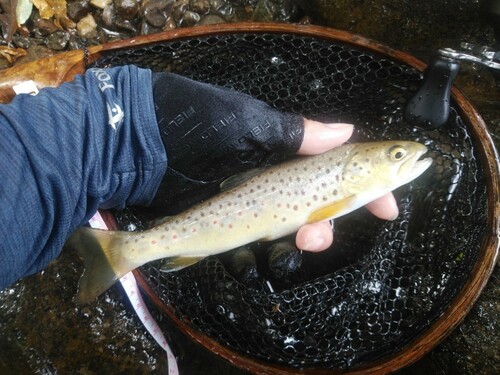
(382, 283)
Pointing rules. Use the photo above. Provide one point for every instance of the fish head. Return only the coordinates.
(384, 166)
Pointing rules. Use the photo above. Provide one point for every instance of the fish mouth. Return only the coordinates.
(416, 164)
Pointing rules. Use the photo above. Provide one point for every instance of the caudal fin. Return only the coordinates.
(101, 252)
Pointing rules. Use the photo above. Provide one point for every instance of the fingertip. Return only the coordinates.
(314, 237)
(320, 137)
(385, 207)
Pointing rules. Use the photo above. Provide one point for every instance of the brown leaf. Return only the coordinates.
(11, 54)
(56, 9)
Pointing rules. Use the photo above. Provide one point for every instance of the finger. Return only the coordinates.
(384, 207)
(314, 237)
(320, 137)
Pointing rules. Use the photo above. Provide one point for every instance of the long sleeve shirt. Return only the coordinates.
(88, 144)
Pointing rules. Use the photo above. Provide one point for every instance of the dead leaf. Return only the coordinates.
(56, 9)
(11, 54)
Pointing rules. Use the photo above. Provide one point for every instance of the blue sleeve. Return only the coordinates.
(91, 143)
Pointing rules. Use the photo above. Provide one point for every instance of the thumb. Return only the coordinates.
(320, 137)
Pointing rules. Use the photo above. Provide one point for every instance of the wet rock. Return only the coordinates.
(108, 16)
(275, 10)
(127, 9)
(78, 9)
(22, 42)
(169, 25)
(201, 7)
(215, 4)
(211, 19)
(101, 4)
(86, 27)
(226, 11)
(75, 42)
(126, 25)
(147, 28)
(156, 12)
(190, 18)
(58, 40)
(179, 10)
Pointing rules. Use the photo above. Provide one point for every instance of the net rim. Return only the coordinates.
(487, 258)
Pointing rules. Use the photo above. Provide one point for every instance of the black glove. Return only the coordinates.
(211, 133)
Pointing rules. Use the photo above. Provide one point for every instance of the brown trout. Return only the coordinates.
(267, 206)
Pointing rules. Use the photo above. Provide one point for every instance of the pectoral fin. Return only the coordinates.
(178, 263)
(332, 210)
(240, 178)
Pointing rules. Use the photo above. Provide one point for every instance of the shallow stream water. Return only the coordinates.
(42, 331)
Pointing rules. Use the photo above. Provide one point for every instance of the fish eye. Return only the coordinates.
(397, 153)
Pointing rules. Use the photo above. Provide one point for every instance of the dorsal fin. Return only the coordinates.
(240, 178)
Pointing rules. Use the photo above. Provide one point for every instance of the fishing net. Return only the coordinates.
(382, 283)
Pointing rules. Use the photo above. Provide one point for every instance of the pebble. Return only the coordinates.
(127, 9)
(78, 9)
(108, 16)
(201, 7)
(190, 18)
(125, 25)
(96, 21)
(86, 27)
(211, 19)
(179, 10)
(101, 4)
(157, 12)
(226, 11)
(58, 40)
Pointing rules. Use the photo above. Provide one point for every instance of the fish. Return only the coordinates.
(262, 206)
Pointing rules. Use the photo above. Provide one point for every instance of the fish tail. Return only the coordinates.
(102, 253)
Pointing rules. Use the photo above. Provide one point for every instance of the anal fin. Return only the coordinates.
(178, 263)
